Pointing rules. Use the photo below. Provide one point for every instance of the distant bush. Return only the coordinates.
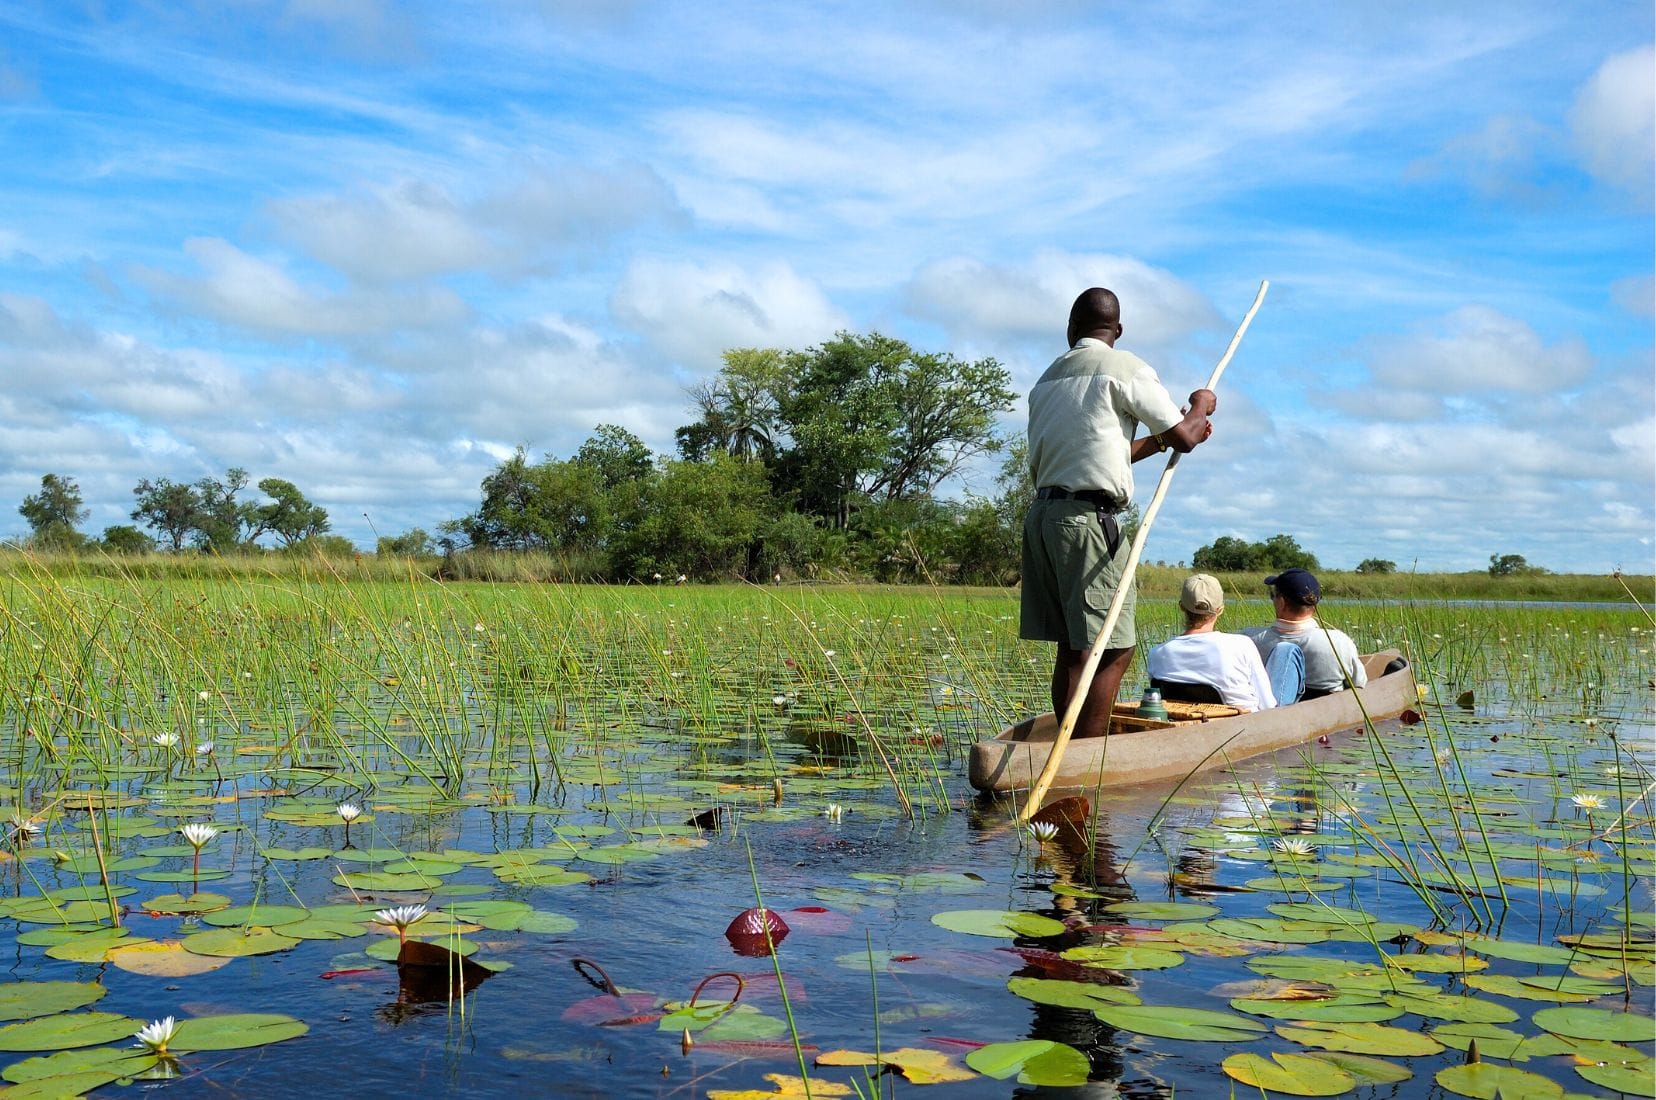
(1376, 565)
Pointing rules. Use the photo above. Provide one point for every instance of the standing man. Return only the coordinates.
(1083, 414)
(1331, 659)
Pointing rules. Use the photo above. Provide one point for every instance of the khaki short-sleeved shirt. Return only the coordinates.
(1083, 413)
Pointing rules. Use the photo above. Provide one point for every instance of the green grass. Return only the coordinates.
(543, 568)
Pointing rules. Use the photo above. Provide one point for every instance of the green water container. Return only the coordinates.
(1151, 705)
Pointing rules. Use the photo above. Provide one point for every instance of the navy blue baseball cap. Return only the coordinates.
(1296, 586)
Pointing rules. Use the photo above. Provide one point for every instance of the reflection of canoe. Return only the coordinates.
(1140, 750)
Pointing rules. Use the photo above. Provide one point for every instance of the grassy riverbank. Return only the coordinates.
(532, 568)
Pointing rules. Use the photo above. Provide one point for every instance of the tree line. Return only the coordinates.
(822, 461)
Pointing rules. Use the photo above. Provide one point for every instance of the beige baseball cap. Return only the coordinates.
(1202, 595)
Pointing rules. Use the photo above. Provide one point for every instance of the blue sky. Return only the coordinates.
(371, 247)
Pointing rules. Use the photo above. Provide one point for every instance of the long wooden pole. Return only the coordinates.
(1096, 654)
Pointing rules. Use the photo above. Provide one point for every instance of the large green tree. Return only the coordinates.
(869, 417)
(740, 409)
(287, 514)
(169, 508)
(1228, 554)
(55, 513)
(699, 519)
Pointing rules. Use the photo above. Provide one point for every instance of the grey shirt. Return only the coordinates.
(1329, 655)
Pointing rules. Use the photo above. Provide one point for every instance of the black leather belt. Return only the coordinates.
(1105, 505)
(1098, 498)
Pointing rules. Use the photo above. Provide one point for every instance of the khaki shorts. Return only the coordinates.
(1069, 577)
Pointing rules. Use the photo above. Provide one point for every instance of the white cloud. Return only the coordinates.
(414, 229)
(1636, 294)
(242, 290)
(1476, 348)
(975, 300)
(1613, 121)
(693, 312)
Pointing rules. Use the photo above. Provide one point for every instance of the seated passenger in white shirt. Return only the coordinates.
(1228, 663)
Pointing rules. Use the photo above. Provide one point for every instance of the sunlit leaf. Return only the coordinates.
(1289, 1074)
(66, 1030)
(923, 1067)
(26, 1000)
(1360, 1038)
(1033, 1061)
(1597, 1023)
(163, 959)
(1487, 1081)
(236, 1031)
(1172, 1022)
(783, 1087)
(1087, 995)
(1122, 957)
(1001, 923)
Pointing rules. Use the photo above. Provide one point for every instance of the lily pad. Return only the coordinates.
(236, 1031)
(1034, 1061)
(67, 1030)
(1161, 910)
(238, 942)
(1367, 1071)
(182, 904)
(1449, 1006)
(1360, 1038)
(1171, 1022)
(26, 1000)
(1633, 1080)
(1486, 1081)
(73, 1069)
(1597, 1023)
(266, 916)
(1124, 957)
(159, 959)
(1000, 923)
(922, 1067)
(1289, 1074)
(1087, 995)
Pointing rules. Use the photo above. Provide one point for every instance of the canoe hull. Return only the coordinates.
(1015, 758)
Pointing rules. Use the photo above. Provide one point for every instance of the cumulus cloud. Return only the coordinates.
(1476, 349)
(1505, 159)
(972, 299)
(1613, 121)
(691, 313)
(242, 290)
(413, 229)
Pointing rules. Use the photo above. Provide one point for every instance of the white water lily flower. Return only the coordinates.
(834, 813)
(1587, 801)
(1042, 831)
(155, 1036)
(402, 916)
(165, 740)
(1293, 846)
(204, 749)
(779, 700)
(204, 695)
(348, 811)
(827, 653)
(24, 826)
(197, 834)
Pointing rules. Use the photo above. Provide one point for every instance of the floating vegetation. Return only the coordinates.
(394, 834)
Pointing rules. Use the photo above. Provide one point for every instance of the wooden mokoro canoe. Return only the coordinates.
(1198, 736)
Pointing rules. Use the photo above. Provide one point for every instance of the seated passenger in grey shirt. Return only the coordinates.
(1330, 656)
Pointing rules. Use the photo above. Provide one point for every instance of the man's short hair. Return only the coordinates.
(1095, 308)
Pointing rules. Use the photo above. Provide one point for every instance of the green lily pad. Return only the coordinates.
(325, 928)
(1171, 1022)
(238, 942)
(1367, 1071)
(1449, 1006)
(1345, 1008)
(73, 1069)
(186, 904)
(298, 855)
(1486, 1081)
(1267, 930)
(26, 1000)
(265, 916)
(67, 1030)
(236, 1031)
(1087, 995)
(387, 949)
(1360, 1038)
(1000, 923)
(1597, 1023)
(1121, 957)
(1289, 1074)
(1633, 1080)
(1034, 1061)
(1542, 954)
(91, 947)
(1161, 910)
(375, 881)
